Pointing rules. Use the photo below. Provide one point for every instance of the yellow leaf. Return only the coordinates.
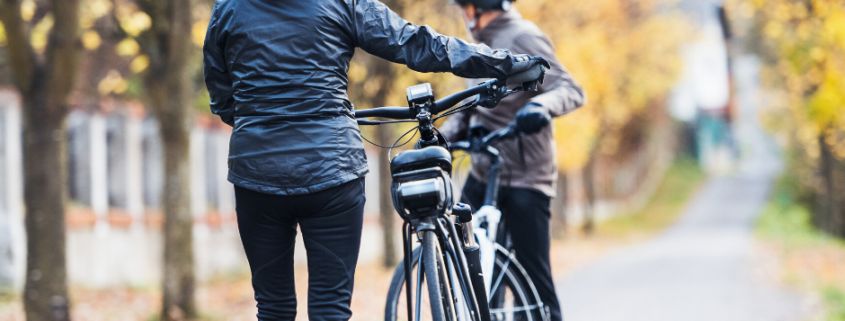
(135, 23)
(139, 64)
(91, 40)
(112, 83)
(99, 8)
(2, 35)
(28, 9)
(774, 30)
(40, 33)
(198, 32)
(127, 47)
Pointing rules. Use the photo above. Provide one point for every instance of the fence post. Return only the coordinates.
(134, 165)
(99, 171)
(12, 240)
(199, 200)
(225, 190)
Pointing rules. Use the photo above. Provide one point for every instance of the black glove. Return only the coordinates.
(524, 62)
(527, 72)
(532, 118)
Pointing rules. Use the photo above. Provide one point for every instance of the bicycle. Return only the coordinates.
(511, 293)
(422, 191)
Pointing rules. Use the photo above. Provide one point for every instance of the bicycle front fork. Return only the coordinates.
(472, 255)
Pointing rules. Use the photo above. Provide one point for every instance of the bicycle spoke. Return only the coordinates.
(502, 275)
(515, 309)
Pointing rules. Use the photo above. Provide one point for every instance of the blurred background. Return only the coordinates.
(704, 180)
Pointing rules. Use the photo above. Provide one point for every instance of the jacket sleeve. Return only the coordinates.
(217, 77)
(381, 32)
(560, 93)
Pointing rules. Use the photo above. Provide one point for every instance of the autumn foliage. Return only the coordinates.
(802, 46)
(624, 54)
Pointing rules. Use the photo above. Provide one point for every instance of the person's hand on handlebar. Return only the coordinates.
(525, 62)
(527, 71)
(532, 118)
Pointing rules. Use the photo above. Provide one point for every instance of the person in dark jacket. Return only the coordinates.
(530, 171)
(276, 70)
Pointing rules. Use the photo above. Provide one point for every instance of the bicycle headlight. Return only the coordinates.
(423, 195)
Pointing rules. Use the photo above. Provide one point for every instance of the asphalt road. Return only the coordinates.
(704, 267)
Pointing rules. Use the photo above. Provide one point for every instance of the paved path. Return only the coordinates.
(703, 268)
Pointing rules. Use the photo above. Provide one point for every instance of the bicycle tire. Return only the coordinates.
(394, 297)
(434, 269)
(516, 280)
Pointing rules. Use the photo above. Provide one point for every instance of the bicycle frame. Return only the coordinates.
(453, 243)
(485, 221)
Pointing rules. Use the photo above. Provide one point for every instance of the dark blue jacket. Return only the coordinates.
(276, 72)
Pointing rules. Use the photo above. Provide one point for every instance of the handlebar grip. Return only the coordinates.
(535, 73)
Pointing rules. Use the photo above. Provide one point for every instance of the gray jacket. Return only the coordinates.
(560, 94)
(276, 72)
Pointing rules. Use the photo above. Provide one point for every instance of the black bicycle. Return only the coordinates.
(448, 259)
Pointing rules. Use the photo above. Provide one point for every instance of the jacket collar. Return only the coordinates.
(496, 26)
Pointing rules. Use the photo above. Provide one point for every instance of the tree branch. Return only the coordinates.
(21, 53)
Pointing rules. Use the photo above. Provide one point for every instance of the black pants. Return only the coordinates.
(330, 221)
(526, 213)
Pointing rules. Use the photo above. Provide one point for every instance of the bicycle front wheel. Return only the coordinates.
(513, 296)
(432, 301)
(434, 268)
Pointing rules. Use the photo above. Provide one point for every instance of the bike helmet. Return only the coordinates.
(487, 4)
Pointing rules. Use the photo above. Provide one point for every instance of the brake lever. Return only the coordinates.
(366, 122)
(496, 96)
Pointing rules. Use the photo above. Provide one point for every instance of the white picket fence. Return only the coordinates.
(115, 178)
(115, 170)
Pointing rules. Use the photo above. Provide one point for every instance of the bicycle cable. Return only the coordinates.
(389, 151)
(458, 109)
(394, 143)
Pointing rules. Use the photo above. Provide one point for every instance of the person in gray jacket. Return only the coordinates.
(530, 171)
(276, 70)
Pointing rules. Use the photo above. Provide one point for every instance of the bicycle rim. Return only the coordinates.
(512, 298)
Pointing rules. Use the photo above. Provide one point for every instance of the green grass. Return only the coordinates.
(679, 184)
(834, 297)
(788, 223)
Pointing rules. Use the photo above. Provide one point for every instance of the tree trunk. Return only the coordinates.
(824, 198)
(590, 193)
(833, 209)
(178, 277)
(45, 291)
(382, 72)
(45, 82)
(387, 213)
(559, 224)
(169, 83)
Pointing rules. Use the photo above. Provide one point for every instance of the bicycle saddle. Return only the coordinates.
(431, 156)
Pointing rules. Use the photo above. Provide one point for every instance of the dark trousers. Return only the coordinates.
(330, 222)
(526, 213)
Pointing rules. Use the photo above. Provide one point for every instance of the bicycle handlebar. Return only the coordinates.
(439, 106)
(386, 112)
(486, 141)
(527, 80)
